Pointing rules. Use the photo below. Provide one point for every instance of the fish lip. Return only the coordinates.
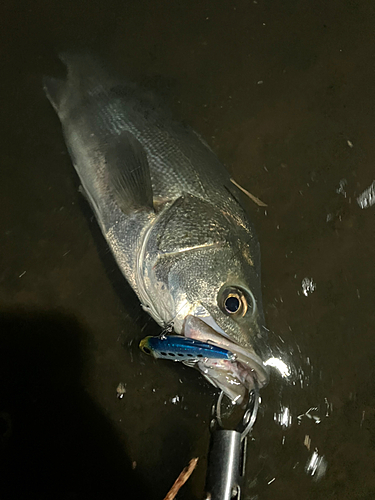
(202, 327)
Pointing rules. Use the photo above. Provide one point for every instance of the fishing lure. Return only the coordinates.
(179, 348)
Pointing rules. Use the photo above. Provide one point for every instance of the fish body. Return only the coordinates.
(179, 348)
(166, 206)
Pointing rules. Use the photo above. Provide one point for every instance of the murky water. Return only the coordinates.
(284, 91)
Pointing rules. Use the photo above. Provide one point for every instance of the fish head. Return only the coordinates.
(208, 268)
(229, 314)
(218, 299)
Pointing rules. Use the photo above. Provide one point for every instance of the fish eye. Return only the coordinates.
(146, 350)
(232, 302)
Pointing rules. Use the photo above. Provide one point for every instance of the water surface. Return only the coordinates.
(284, 92)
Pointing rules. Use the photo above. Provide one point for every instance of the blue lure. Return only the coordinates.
(179, 348)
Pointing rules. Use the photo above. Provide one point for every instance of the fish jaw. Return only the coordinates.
(234, 378)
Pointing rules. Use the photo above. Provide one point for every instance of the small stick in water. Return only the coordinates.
(182, 478)
(251, 196)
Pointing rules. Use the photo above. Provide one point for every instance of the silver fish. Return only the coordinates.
(170, 214)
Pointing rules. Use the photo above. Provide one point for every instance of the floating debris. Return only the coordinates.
(120, 390)
(363, 418)
(350, 144)
(367, 198)
(307, 441)
(308, 286)
(284, 418)
(340, 189)
(182, 478)
(256, 200)
(329, 407)
(309, 415)
(316, 465)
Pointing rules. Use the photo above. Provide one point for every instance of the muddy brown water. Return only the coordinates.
(284, 92)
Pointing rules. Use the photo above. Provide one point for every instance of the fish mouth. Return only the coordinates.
(234, 378)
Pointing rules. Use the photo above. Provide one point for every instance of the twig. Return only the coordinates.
(251, 196)
(182, 478)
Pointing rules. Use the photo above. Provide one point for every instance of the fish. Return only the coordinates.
(179, 348)
(170, 214)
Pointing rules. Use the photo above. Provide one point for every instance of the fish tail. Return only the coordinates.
(82, 66)
(84, 73)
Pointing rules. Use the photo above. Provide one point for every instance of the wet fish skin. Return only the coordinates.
(163, 201)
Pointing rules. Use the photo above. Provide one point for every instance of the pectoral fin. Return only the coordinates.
(129, 173)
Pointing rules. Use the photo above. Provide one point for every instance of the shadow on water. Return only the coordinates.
(54, 441)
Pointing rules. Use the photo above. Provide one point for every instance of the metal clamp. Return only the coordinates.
(248, 419)
(227, 454)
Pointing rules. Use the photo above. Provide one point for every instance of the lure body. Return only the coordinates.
(178, 348)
